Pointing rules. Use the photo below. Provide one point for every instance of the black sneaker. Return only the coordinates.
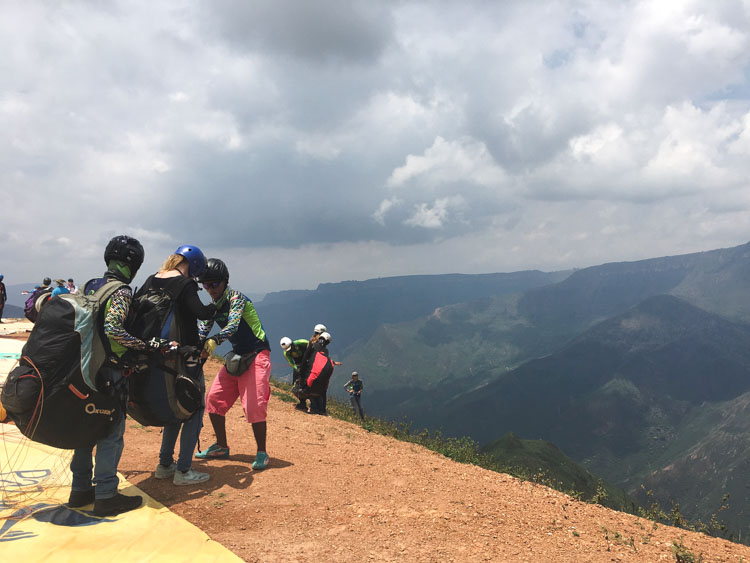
(116, 505)
(78, 499)
(300, 407)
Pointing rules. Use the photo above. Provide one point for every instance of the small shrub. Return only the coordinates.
(683, 555)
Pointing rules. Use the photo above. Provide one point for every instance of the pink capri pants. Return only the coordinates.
(252, 387)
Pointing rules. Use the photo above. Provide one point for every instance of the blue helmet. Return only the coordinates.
(1, 277)
(196, 259)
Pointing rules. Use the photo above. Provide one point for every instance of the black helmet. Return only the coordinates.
(46, 281)
(216, 270)
(127, 250)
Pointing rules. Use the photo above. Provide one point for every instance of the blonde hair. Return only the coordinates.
(171, 263)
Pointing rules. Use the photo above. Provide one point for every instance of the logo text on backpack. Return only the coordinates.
(91, 409)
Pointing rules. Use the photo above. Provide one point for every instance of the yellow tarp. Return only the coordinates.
(36, 526)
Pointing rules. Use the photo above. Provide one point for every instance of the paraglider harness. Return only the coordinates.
(164, 386)
(56, 395)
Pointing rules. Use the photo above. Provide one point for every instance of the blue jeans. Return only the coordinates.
(356, 402)
(108, 452)
(191, 429)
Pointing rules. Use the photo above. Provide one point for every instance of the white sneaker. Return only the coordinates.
(165, 472)
(190, 477)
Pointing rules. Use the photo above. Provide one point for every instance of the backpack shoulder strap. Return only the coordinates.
(94, 345)
(103, 293)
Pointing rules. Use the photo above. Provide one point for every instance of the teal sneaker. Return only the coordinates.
(261, 461)
(214, 451)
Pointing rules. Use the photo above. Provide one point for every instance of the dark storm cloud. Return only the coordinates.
(354, 31)
(273, 198)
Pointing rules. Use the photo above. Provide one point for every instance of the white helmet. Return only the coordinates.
(320, 329)
(325, 336)
(286, 342)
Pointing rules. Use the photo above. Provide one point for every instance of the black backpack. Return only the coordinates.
(152, 312)
(169, 389)
(52, 395)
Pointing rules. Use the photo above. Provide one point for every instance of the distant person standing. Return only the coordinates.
(72, 287)
(354, 387)
(60, 289)
(3, 297)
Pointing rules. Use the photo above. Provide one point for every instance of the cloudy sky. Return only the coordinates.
(309, 142)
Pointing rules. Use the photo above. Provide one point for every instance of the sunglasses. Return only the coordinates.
(212, 285)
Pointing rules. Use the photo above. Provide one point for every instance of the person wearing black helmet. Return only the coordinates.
(247, 376)
(123, 256)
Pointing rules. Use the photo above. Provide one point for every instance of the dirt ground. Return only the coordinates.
(334, 492)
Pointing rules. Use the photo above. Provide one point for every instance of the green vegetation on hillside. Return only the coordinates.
(531, 460)
(536, 461)
(548, 464)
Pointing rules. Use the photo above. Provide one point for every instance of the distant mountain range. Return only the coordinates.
(630, 397)
(354, 310)
(12, 312)
(639, 370)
